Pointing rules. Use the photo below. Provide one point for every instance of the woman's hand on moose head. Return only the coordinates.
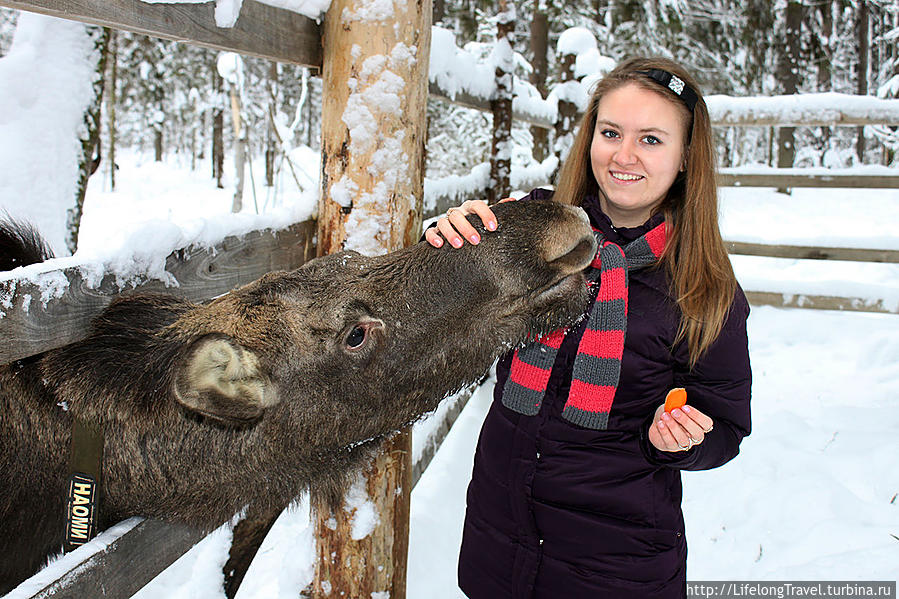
(678, 430)
(454, 227)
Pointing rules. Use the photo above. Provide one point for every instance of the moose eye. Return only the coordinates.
(356, 337)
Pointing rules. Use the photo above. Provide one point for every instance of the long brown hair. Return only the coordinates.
(702, 279)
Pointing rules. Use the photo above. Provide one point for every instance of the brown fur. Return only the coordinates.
(289, 406)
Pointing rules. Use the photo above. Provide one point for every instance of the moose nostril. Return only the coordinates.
(577, 256)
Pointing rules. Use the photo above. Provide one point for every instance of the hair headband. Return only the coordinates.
(675, 84)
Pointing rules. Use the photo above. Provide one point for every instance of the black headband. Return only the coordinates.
(675, 84)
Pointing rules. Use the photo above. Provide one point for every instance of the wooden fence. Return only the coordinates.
(203, 273)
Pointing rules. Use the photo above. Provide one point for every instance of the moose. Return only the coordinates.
(283, 385)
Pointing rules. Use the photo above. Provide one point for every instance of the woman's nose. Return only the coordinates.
(626, 152)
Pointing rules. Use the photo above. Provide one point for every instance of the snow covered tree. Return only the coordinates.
(89, 134)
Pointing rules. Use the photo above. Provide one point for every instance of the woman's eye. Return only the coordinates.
(355, 338)
(609, 133)
(652, 140)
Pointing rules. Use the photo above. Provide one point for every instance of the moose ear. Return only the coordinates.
(221, 379)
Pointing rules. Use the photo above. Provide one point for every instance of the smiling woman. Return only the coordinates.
(576, 485)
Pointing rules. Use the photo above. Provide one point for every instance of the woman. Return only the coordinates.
(576, 486)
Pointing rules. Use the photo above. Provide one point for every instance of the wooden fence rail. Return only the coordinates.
(261, 30)
(733, 178)
(803, 252)
(30, 328)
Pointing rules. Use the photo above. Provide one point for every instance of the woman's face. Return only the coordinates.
(636, 153)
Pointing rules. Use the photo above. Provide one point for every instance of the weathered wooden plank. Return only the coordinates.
(780, 180)
(435, 440)
(832, 111)
(812, 253)
(817, 302)
(30, 327)
(127, 564)
(261, 30)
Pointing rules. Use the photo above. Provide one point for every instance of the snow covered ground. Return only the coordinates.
(813, 494)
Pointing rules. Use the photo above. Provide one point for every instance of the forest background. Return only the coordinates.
(171, 101)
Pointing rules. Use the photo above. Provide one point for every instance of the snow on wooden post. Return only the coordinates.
(501, 105)
(375, 74)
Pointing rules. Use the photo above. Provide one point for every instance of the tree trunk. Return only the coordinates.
(372, 180)
(861, 32)
(501, 106)
(90, 141)
(157, 142)
(111, 104)
(567, 110)
(539, 48)
(439, 11)
(218, 130)
(240, 151)
(270, 144)
(823, 57)
(788, 76)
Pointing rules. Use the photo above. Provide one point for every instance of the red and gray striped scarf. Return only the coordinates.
(597, 366)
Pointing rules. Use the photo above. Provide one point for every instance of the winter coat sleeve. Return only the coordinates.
(719, 385)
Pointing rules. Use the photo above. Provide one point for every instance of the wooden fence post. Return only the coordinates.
(374, 77)
(501, 106)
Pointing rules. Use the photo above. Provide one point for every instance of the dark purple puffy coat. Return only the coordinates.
(557, 511)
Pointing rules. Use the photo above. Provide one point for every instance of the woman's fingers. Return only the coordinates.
(456, 229)
(483, 210)
(680, 429)
(433, 238)
(460, 226)
(704, 422)
(680, 434)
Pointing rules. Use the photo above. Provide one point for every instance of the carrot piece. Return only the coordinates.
(676, 398)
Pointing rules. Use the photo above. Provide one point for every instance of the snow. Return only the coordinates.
(376, 97)
(132, 239)
(815, 217)
(791, 109)
(361, 509)
(46, 54)
(372, 11)
(230, 68)
(576, 40)
(457, 71)
(458, 187)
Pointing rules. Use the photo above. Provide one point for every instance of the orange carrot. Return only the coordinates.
(676, 398)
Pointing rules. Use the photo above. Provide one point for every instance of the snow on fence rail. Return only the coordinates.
(36, 319)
